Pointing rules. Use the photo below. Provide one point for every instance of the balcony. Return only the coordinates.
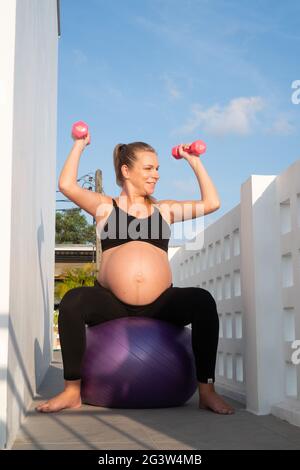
(186, 427)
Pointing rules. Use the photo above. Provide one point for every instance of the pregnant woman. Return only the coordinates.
(135, 277)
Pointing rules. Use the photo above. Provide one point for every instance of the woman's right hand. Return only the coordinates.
(82, 141)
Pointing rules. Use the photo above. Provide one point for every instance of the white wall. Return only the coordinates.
(215, 266)
(28, 93)
(7, 45)
(249, 260)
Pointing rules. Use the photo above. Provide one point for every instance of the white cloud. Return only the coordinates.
(114, 92)
(281, 126)
(171, 88)
(80, 57)
(237, 117)
(214, 47)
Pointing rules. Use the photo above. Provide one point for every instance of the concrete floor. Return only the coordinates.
(185, 427)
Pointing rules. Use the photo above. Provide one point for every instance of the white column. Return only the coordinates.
(261, 293)
(7, 54)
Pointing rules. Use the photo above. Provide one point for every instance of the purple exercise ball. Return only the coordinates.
(138, 362)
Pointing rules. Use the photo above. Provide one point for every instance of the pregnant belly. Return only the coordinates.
(136, 272)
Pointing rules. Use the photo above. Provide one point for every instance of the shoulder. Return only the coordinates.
(155, 202)
(160, 201)
(163, 202)
(107, 199)
(164, 206)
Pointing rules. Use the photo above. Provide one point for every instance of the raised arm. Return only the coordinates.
(191, 209)
(67, 183)
(68, 175)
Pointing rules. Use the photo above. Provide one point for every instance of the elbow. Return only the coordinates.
(211, 207)
(216, 206)
(63, 187)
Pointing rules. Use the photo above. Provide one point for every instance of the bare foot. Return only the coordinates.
(209, 399)
(215, 402)
(69, 398)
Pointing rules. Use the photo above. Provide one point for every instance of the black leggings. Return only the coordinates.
(179, 305)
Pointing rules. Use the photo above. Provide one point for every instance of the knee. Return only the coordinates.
(206, 298)
(205, 306)
(206, 309)
(68, 302)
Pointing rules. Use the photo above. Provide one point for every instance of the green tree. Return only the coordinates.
(76, 277)
(72, 227)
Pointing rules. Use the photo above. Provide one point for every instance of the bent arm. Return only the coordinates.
(179, 211)
(68, 175)
(67, 183)
(208, 191)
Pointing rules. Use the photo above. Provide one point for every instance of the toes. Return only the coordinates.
(221, 411)
(220, 408)
(224, 411)
(43, 407)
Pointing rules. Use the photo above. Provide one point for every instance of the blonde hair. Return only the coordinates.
(126, 154)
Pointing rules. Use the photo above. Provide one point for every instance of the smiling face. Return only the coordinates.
(144, 174)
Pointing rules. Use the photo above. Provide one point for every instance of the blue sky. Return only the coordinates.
(174, 71)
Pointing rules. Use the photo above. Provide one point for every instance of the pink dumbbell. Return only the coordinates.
(196, 148)
(80, 130)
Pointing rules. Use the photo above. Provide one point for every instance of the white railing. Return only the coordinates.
(249, 260)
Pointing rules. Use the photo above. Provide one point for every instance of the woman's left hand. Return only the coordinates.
(187, 156)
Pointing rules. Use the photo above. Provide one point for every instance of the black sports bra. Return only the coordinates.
(122, 227)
